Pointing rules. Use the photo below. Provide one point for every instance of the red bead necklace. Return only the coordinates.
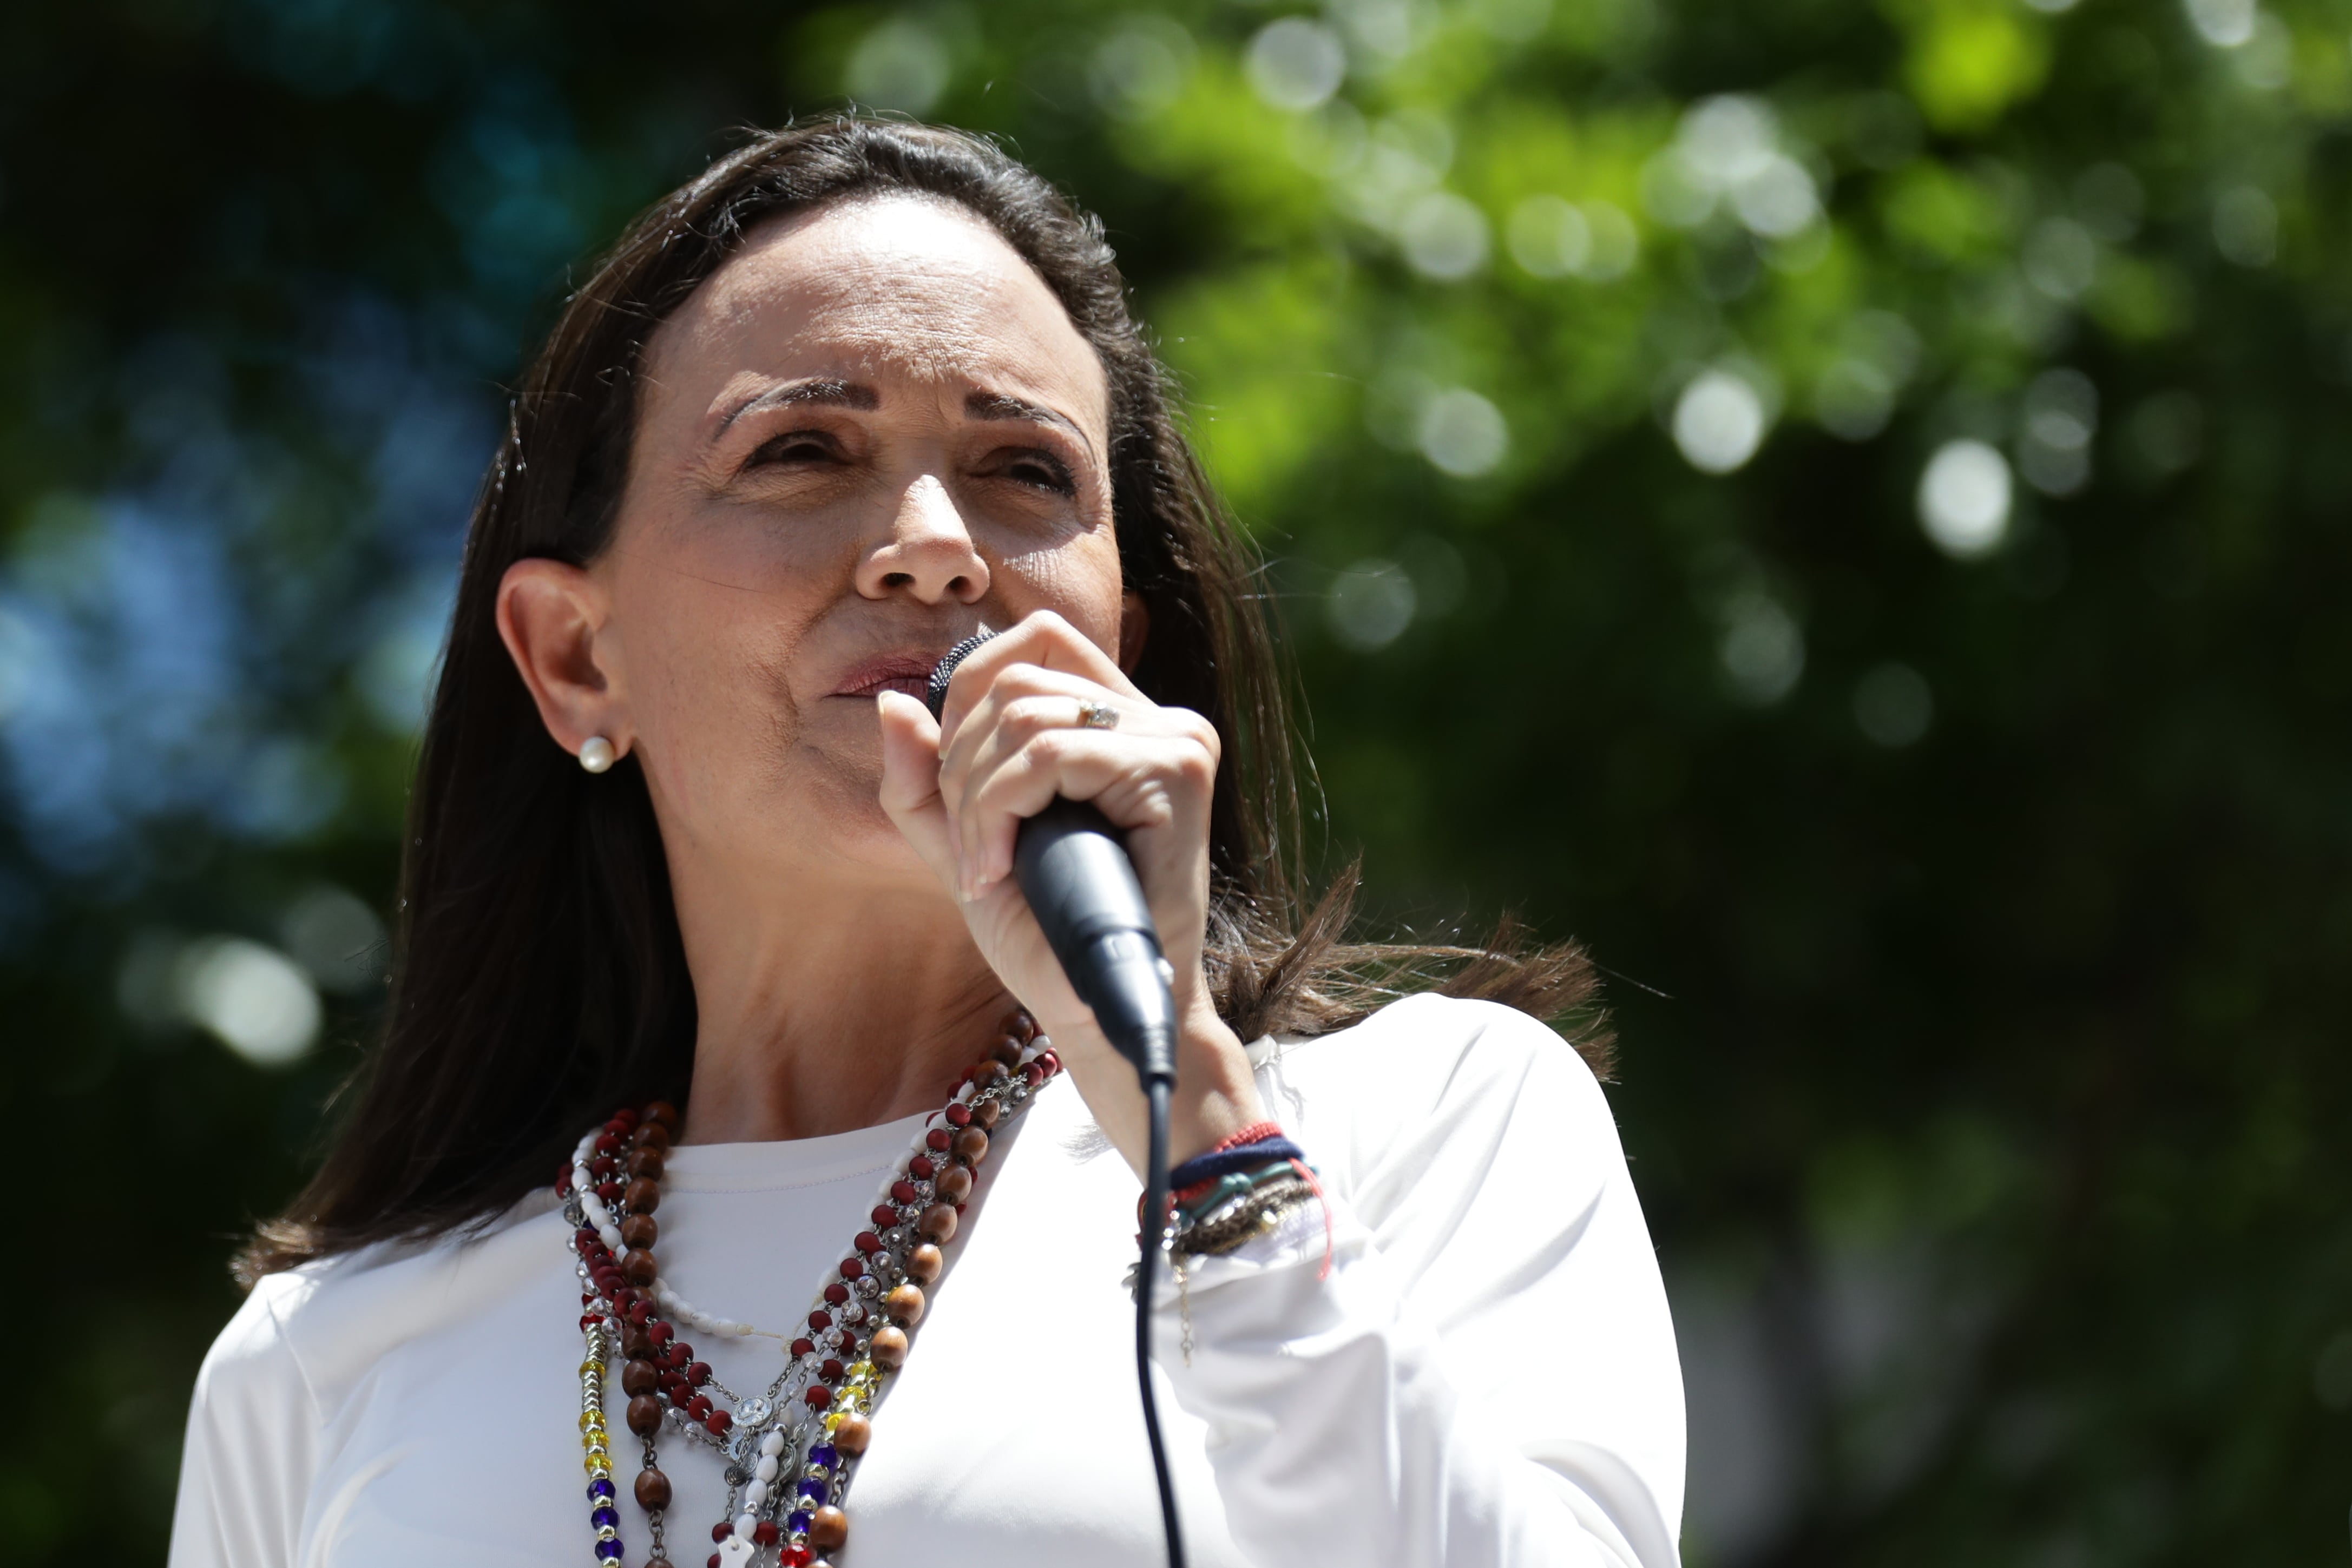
(792, 1450)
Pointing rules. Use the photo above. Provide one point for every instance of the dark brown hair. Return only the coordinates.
(540, 979)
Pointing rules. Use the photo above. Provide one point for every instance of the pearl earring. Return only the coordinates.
(596, 754)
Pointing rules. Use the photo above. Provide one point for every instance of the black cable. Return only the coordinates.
(1155, 1210)
(1073, 868)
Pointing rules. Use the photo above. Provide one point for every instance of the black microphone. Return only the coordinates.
(1072, 866)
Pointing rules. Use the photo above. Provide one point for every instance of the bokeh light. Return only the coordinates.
(1762, 649)
(1892, 706)
(900, 65)
(1295, 64)
(254, 999)
(1463, 432)
(2245, 226)
(1964, 498)
(1142, 67)
(337, 939)
(1370, 603)
(1719, 420)
(2061, 416)
(1730, 154)
(1550, 237)
(1444, 236)
(2224, 23)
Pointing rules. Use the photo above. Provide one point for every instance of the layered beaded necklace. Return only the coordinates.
(790, 1450)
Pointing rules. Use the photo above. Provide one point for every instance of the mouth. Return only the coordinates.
(907, 672)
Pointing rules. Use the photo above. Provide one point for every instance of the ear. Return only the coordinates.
(1134, 627)
(552, 619)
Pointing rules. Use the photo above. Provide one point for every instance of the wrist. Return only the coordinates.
(1217, 1093)
(1216, 1090)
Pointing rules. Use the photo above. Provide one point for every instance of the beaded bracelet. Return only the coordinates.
(1214, 1195)
(1235, 1191)
(1241, 1190)
(1240, 1217)
(1196, 1174)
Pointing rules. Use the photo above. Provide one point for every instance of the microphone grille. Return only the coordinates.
(944, 672)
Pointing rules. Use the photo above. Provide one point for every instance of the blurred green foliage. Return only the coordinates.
(1846, 506)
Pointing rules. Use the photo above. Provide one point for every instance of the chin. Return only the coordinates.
(841, 810)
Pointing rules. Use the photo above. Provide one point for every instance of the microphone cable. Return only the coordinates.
(1157, 1093)
(1072, 866)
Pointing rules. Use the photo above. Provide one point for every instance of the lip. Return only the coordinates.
(903, 672)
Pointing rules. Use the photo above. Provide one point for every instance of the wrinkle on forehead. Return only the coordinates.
(882, 288)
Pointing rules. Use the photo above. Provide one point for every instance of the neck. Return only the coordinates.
(841, 1007)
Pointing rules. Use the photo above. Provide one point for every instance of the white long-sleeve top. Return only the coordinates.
(1484, 1374)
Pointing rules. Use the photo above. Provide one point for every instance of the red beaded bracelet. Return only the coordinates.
(1255, 1133)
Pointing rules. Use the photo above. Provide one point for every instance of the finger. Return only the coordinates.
(911, 782)
(1027, 700)
(1138, 782)
(986, 706)
(1052, 705)
(1041, 638)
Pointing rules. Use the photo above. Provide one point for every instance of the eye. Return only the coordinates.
(792, 448)
(1037, 467)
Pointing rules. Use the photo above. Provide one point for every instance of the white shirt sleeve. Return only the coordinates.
(1484, 1373)
(252, 1444)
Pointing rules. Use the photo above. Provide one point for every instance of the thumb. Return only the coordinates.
(911, 780)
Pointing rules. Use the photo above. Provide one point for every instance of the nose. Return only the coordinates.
(928, 552)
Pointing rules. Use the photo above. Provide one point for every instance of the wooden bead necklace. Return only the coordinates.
(790, 1450)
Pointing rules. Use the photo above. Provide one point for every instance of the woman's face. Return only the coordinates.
(872, 432)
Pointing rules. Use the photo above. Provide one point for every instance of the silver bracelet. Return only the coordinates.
(1242, 1219)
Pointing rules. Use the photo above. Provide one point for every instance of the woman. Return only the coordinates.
(685, 838)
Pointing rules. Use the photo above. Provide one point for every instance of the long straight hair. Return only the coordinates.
(538, 976)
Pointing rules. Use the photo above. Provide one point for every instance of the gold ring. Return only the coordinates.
(1097, 715)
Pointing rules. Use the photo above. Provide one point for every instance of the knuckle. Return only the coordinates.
(1192, 726)
(1026, 680)
(1202, 734)
(1048, 750)
(1025, 714)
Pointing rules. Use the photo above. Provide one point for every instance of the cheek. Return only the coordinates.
(1081, 582)
(706, 666)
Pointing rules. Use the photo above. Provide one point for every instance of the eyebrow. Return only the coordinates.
(826, 391)
(831, 392)
(997, 405)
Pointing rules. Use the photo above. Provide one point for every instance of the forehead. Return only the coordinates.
(884, 290)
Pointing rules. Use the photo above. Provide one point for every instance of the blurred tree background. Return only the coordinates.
(1845, 505)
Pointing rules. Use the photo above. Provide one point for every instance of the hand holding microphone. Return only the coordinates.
(1072, 867)
(1021, 726)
